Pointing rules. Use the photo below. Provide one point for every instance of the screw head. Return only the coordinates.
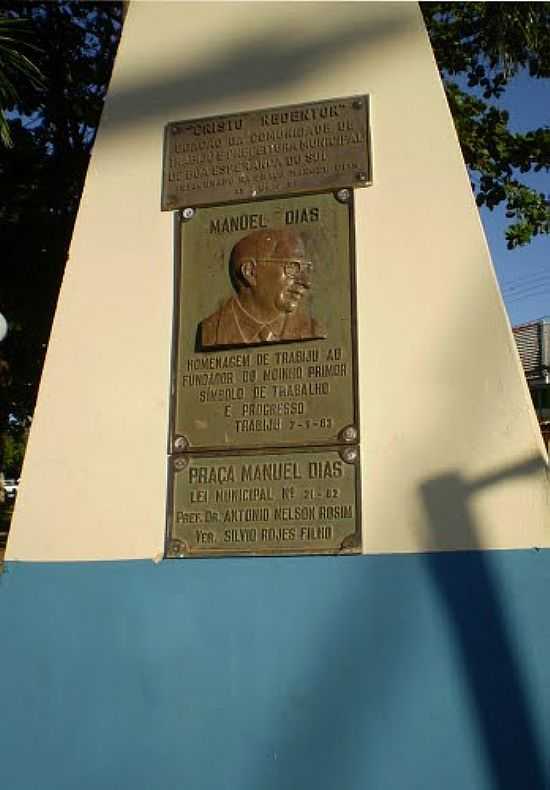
(343, 195)
(187, 214)
(180, 442)
(349, 433)
(357, 104)
(349, 455)
(362, 176)
(180, 464)
(175, 548)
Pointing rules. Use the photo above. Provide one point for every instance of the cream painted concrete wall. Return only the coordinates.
(452, 457)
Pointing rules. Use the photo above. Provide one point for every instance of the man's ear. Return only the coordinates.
(248, 271)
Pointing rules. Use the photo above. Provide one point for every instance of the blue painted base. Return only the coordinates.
(415, 672)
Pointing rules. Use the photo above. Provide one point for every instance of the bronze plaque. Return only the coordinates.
(293, 149)
(278, 502)
(264, 351)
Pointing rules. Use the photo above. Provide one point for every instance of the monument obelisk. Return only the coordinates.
(331, 371)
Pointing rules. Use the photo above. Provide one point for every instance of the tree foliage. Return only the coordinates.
(13, 443)
(52, 124)
(479, 47)
(15, 65)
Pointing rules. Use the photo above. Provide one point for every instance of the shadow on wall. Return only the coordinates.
(400, 693)
(496, 681)
(272, 60)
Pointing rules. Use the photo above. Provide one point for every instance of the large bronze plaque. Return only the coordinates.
(264, 351)
(298, 148)
(300, 502)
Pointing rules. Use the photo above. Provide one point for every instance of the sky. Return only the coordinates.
(523, 273)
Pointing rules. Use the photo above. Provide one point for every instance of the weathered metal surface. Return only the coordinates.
(277, 502)
(293, 149)
(264, 349)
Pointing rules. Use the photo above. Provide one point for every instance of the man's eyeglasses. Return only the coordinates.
(292, 266)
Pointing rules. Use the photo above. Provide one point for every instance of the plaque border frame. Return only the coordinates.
(177, 223)
(350, 184)
(355, 550)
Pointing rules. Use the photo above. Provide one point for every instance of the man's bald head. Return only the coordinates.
(283, 243)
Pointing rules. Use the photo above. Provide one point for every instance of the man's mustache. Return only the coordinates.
(299, 287)
(298, 290)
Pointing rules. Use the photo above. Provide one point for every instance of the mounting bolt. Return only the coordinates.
(187, 214)
(362, 176)
(175, 548)
(181, 443)
(349, 434)
(349, 455)
(180, 464)
(357, 104)
(343, 195)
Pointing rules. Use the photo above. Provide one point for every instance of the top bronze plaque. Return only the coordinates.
(299, 148)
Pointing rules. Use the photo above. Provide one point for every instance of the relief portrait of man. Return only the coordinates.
(271, 276)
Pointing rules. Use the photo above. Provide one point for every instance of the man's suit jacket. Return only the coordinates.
(230, 325)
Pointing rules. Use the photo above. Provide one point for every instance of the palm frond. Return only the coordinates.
(5, 134)
(15, 65)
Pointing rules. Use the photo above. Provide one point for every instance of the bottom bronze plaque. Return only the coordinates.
(281, 502)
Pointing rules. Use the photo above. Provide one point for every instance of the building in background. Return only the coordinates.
(533, 341)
